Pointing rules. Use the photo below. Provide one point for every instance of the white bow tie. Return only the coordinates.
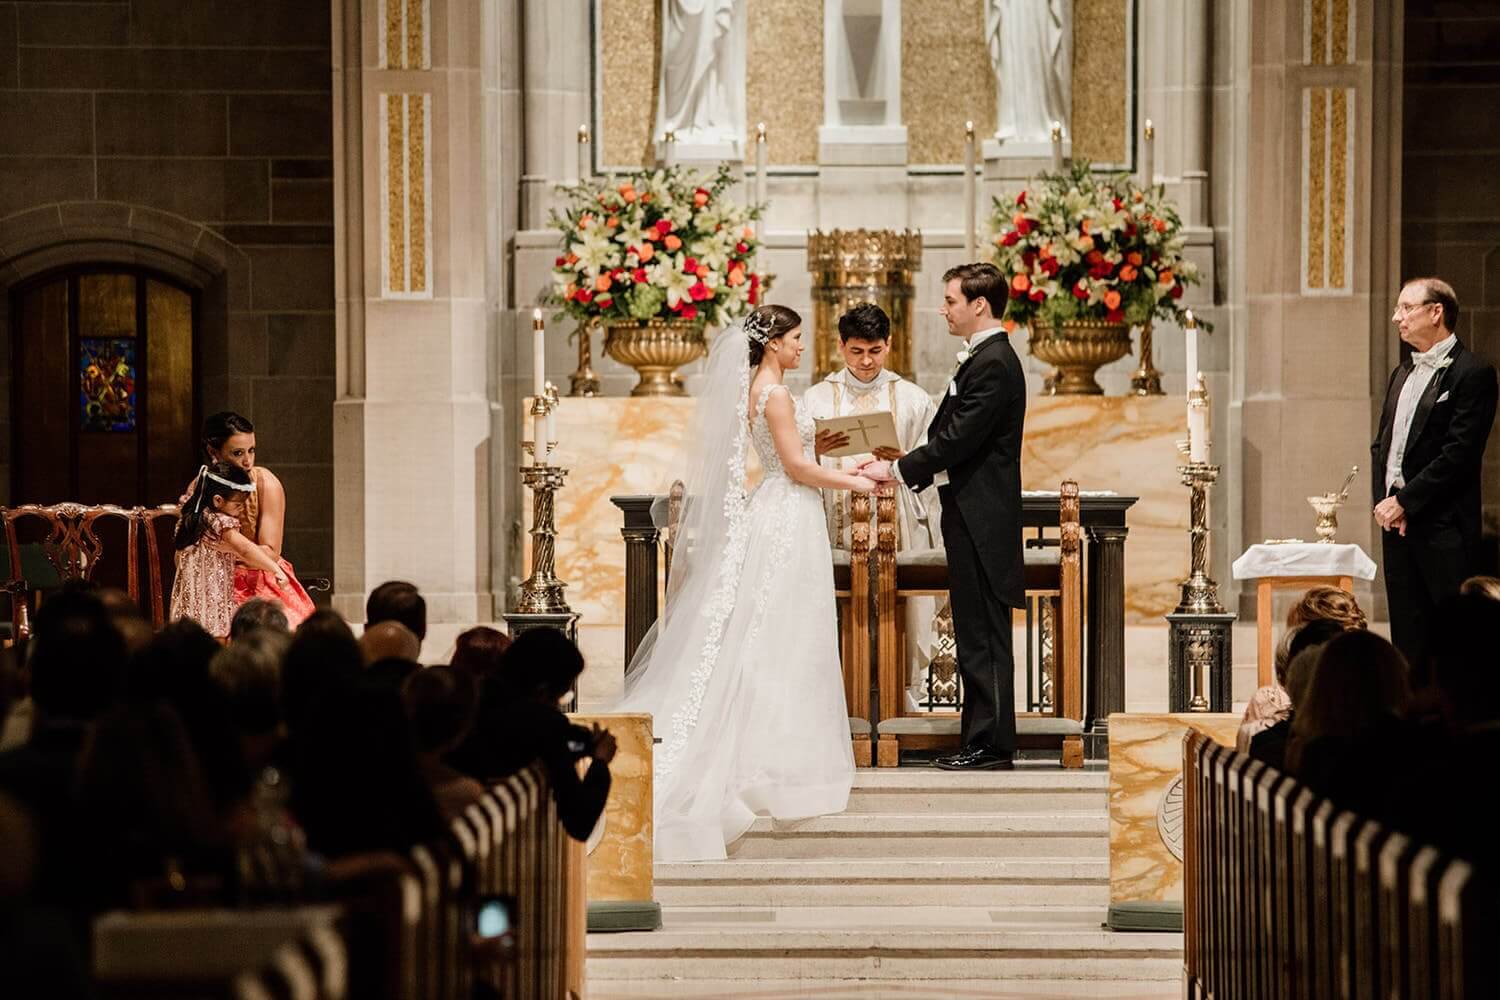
(1429, 359)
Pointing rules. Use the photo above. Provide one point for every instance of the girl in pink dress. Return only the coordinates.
(209, 542)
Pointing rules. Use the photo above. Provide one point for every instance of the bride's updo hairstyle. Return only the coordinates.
(765, 324)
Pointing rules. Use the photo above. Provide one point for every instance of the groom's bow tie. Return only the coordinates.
(1429, 359)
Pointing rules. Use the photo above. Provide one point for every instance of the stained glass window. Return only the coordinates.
(106, 384)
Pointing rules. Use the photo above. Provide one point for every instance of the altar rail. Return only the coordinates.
(1288, 896)
(1102, 516)
(404, 926)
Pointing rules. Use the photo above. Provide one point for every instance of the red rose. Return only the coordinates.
(1016, 293)
(604, 301)
(1023, 225)
(741, 248)
(1050, 266)
(698, 292)
(560, 262)
(1079, 292)
(663, 227)
(1010, 239)
(1093, 256)
(1115, 316)
(584, 296)
(1037, 295)
(1176, 291)
(1028, 257)
(1130, 230)
(1021, 200)
(689, 265)
(754, 289)
(638, 275)
(1118, 204)
(689, 312)
(1103, 269)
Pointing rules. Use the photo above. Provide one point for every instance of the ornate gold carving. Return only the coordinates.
(1078, 350)
(850, 266)
(1315, 200)
(656, 349)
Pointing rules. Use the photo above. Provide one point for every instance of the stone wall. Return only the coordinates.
(142, 131)
(1450, 192)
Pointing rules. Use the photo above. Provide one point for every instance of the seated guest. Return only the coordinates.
(1348, 737)
(1484, 586)
(248, 675)
(389, 640)
(392, 671)
(478, 651)
(39, 953)
(440, 706)
(520, 722)
(1302, 646)
(1270, 704)
(321, 663)
(397, 601)
(126, 614)
(258, 613)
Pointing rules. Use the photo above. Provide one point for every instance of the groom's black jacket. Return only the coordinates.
(976, 438)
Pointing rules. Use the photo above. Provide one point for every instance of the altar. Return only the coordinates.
(624, 446)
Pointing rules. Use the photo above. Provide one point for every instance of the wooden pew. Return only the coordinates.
(1287, 896)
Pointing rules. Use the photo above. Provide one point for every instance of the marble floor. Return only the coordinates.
(856, 990)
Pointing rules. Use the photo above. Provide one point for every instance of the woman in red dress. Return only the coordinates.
(229, 437)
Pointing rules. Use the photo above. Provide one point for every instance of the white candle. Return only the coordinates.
(1148, 155)
(1190, 370)
(538, 353)
(1198, 433)
(1057, 157)
(971, 237)
(539, 439)
(760, 176)
(585, 168)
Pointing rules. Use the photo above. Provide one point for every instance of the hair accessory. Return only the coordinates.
(758, 327)
(203, 474)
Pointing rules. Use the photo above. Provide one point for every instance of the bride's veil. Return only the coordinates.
(669, 671)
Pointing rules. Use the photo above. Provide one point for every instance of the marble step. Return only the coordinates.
(883, 943)
(912, 790)
(863, 989)
(964, 882)
(928, 835)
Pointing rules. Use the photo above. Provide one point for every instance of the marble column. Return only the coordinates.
(1318, 271)
(412, 417)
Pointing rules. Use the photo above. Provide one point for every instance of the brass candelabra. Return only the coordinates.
(584, 381)
(1146, 380)
(1200, 594)
(542, 591)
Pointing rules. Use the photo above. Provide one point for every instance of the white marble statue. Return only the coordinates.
(703, 72)
(1031, 51)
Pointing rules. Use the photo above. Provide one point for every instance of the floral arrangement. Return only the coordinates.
(1076, 246)
(661, 244)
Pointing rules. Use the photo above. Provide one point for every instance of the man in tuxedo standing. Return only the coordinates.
(1439, 406)
(973, 456)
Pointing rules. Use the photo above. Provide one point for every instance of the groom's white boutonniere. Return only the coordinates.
(963, 356)
(1443, 363)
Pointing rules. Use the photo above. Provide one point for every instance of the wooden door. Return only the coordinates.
(105, 402)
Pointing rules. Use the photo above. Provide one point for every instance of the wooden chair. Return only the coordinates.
(1056, 577)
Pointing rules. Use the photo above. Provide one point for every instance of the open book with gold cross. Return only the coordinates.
(866, 432)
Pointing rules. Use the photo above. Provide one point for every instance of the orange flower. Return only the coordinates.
(1159, 225)
(1085, 244)
(1083, 226)
(1112, 299)
(702, 271)
(748, 233)
(611, 222)
(1127, 273)
(627, 191)
(700, 198)
(1165, 277)
(583, 223)
(1045, 250)
(1133, 258)
(602, 283)
(1020, 282)
(1008, 324)
(736, 275)
(673, 242)
(646, 251)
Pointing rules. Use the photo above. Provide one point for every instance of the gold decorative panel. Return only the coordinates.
(405, 195)
(784, 78)
(1102, 84)
(1327, 189)
(946, 78)
(629, 33)
(1327, 32)
(405, 34)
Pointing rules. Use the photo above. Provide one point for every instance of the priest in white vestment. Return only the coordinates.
(865, 386)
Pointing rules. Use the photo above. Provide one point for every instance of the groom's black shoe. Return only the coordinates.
(976, 758)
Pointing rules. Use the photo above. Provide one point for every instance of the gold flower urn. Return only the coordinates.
(1078, 350)
(656, 348)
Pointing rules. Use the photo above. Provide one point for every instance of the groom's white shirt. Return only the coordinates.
(941, 478)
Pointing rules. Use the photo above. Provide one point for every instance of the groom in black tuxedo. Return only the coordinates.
(1439, 407)
(973, 456)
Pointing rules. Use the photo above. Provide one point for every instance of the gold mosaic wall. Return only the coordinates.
(784, 78)
(1101, 90)
(946, 78)
(1327, 151)
(405, 199)
(405, 37)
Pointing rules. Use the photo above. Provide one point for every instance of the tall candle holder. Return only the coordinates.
(541, 603)
(584, 381)
(1146, 380)
(1200, 654)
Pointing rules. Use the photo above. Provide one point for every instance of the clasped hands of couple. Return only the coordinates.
(877, 469)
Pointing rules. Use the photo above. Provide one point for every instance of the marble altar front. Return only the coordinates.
(1145, 800)
(618, 446)
(620, 856)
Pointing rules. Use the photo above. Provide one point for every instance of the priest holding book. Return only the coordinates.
(864, 386)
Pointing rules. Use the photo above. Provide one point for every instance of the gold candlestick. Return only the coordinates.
(542, 591)
(584, 381)
(1146, 380)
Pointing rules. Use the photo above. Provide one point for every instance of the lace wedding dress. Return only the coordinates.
(745, 688)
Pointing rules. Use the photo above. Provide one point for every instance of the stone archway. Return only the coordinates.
(70, 234)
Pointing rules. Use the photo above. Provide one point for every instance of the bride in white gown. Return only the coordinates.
(741, 673)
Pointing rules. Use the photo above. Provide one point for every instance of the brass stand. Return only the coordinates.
(584, 381)
(1146, 380)
(1200, 648)
(541, 603)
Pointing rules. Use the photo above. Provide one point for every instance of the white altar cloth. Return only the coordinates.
(1304, 559)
